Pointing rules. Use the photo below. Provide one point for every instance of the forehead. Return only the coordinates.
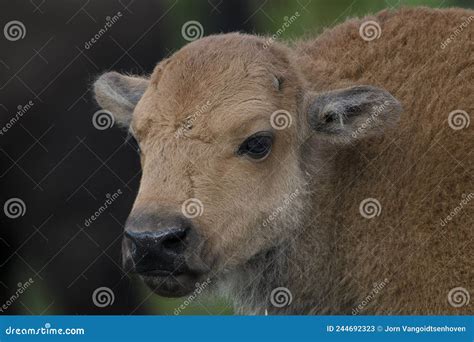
(208, 88)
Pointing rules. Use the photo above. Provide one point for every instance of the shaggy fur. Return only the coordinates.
(221, 89)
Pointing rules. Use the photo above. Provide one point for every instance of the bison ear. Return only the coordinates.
(119, 94)
(349, 114)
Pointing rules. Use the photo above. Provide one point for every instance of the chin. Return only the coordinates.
(172, 285)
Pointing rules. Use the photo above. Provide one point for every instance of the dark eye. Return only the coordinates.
(257, 146)
(133, 143)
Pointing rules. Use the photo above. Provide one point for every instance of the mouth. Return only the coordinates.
(171, 284)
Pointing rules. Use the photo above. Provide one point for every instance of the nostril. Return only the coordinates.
(172, 243)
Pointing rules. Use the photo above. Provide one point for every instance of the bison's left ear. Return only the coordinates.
(352, 113)
(119, 94)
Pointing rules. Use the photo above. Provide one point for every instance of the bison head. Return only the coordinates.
(223, 127)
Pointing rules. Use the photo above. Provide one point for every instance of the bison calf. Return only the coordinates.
(333, 175)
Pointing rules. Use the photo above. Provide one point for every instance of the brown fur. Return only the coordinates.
(319, 246)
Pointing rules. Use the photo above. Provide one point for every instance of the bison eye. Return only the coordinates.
(257, 146)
